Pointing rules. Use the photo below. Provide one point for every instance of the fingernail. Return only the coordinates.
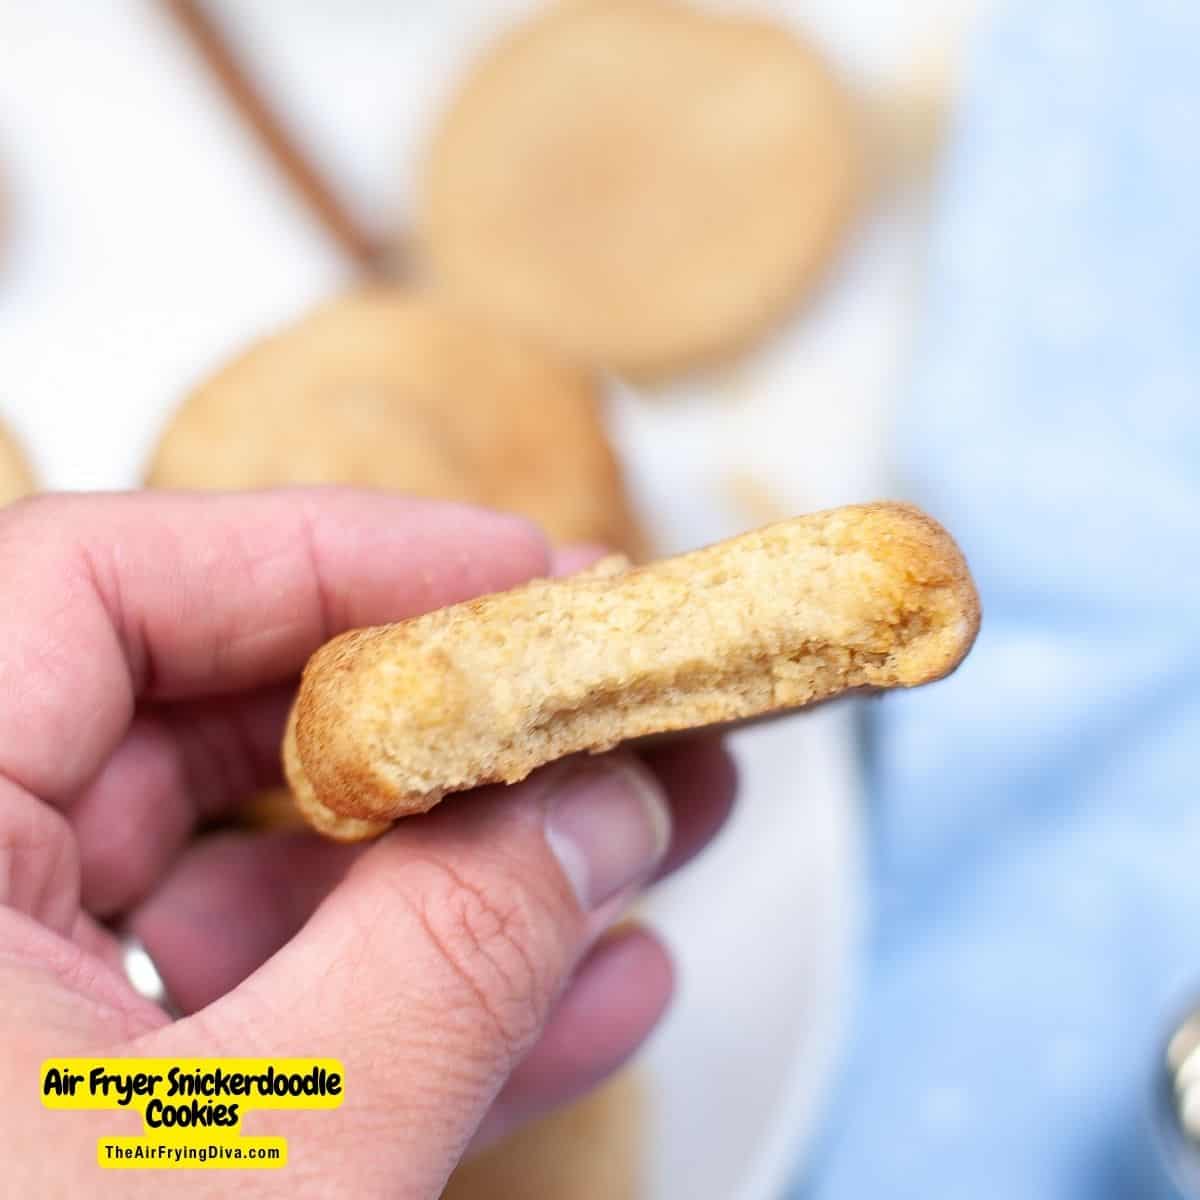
(608, 826)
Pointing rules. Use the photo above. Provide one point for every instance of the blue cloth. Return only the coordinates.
(1036, 820)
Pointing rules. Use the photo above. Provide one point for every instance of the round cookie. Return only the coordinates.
(15, 477)
(387, 389)
(645, 185)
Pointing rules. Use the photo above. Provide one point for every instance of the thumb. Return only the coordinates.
(432, 967)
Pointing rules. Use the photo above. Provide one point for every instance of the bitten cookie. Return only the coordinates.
(390, 719)
(386, 389)
(15, 477)
(647, 186)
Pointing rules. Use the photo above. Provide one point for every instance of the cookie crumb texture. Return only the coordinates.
(390, 719)
(649, 187)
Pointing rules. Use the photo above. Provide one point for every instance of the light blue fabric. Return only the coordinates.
(1036, 817)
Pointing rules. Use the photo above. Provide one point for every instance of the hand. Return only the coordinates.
(460, 967)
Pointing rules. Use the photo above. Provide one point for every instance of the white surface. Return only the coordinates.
(147, 239)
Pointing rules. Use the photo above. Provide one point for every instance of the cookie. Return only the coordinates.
(388, 389)
(586, 1151)
(388, 720)
(647, 186)
(15, 477)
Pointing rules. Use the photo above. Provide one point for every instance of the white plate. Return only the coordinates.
(147, 240)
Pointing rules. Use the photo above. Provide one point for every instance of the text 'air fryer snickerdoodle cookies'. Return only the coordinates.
(646, 186)
(384, 388)
(390, 719)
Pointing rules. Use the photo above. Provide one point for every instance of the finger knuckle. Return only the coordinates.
(496, 942)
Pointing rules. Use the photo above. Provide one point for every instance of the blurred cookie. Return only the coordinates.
(273, 808)
(15, 477)
(587, 1151)
(645, 185)
(383, 388)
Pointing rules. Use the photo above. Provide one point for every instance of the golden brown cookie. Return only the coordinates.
(389, 720)
(586, 1151)
(16, 480)
(648, 186)
(388, 389)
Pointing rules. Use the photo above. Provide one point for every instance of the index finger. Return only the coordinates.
(168, 595)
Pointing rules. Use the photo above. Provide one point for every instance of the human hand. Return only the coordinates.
(458, 967)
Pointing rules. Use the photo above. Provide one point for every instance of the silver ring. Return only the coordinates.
(1175, 1112)
(144, 976)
